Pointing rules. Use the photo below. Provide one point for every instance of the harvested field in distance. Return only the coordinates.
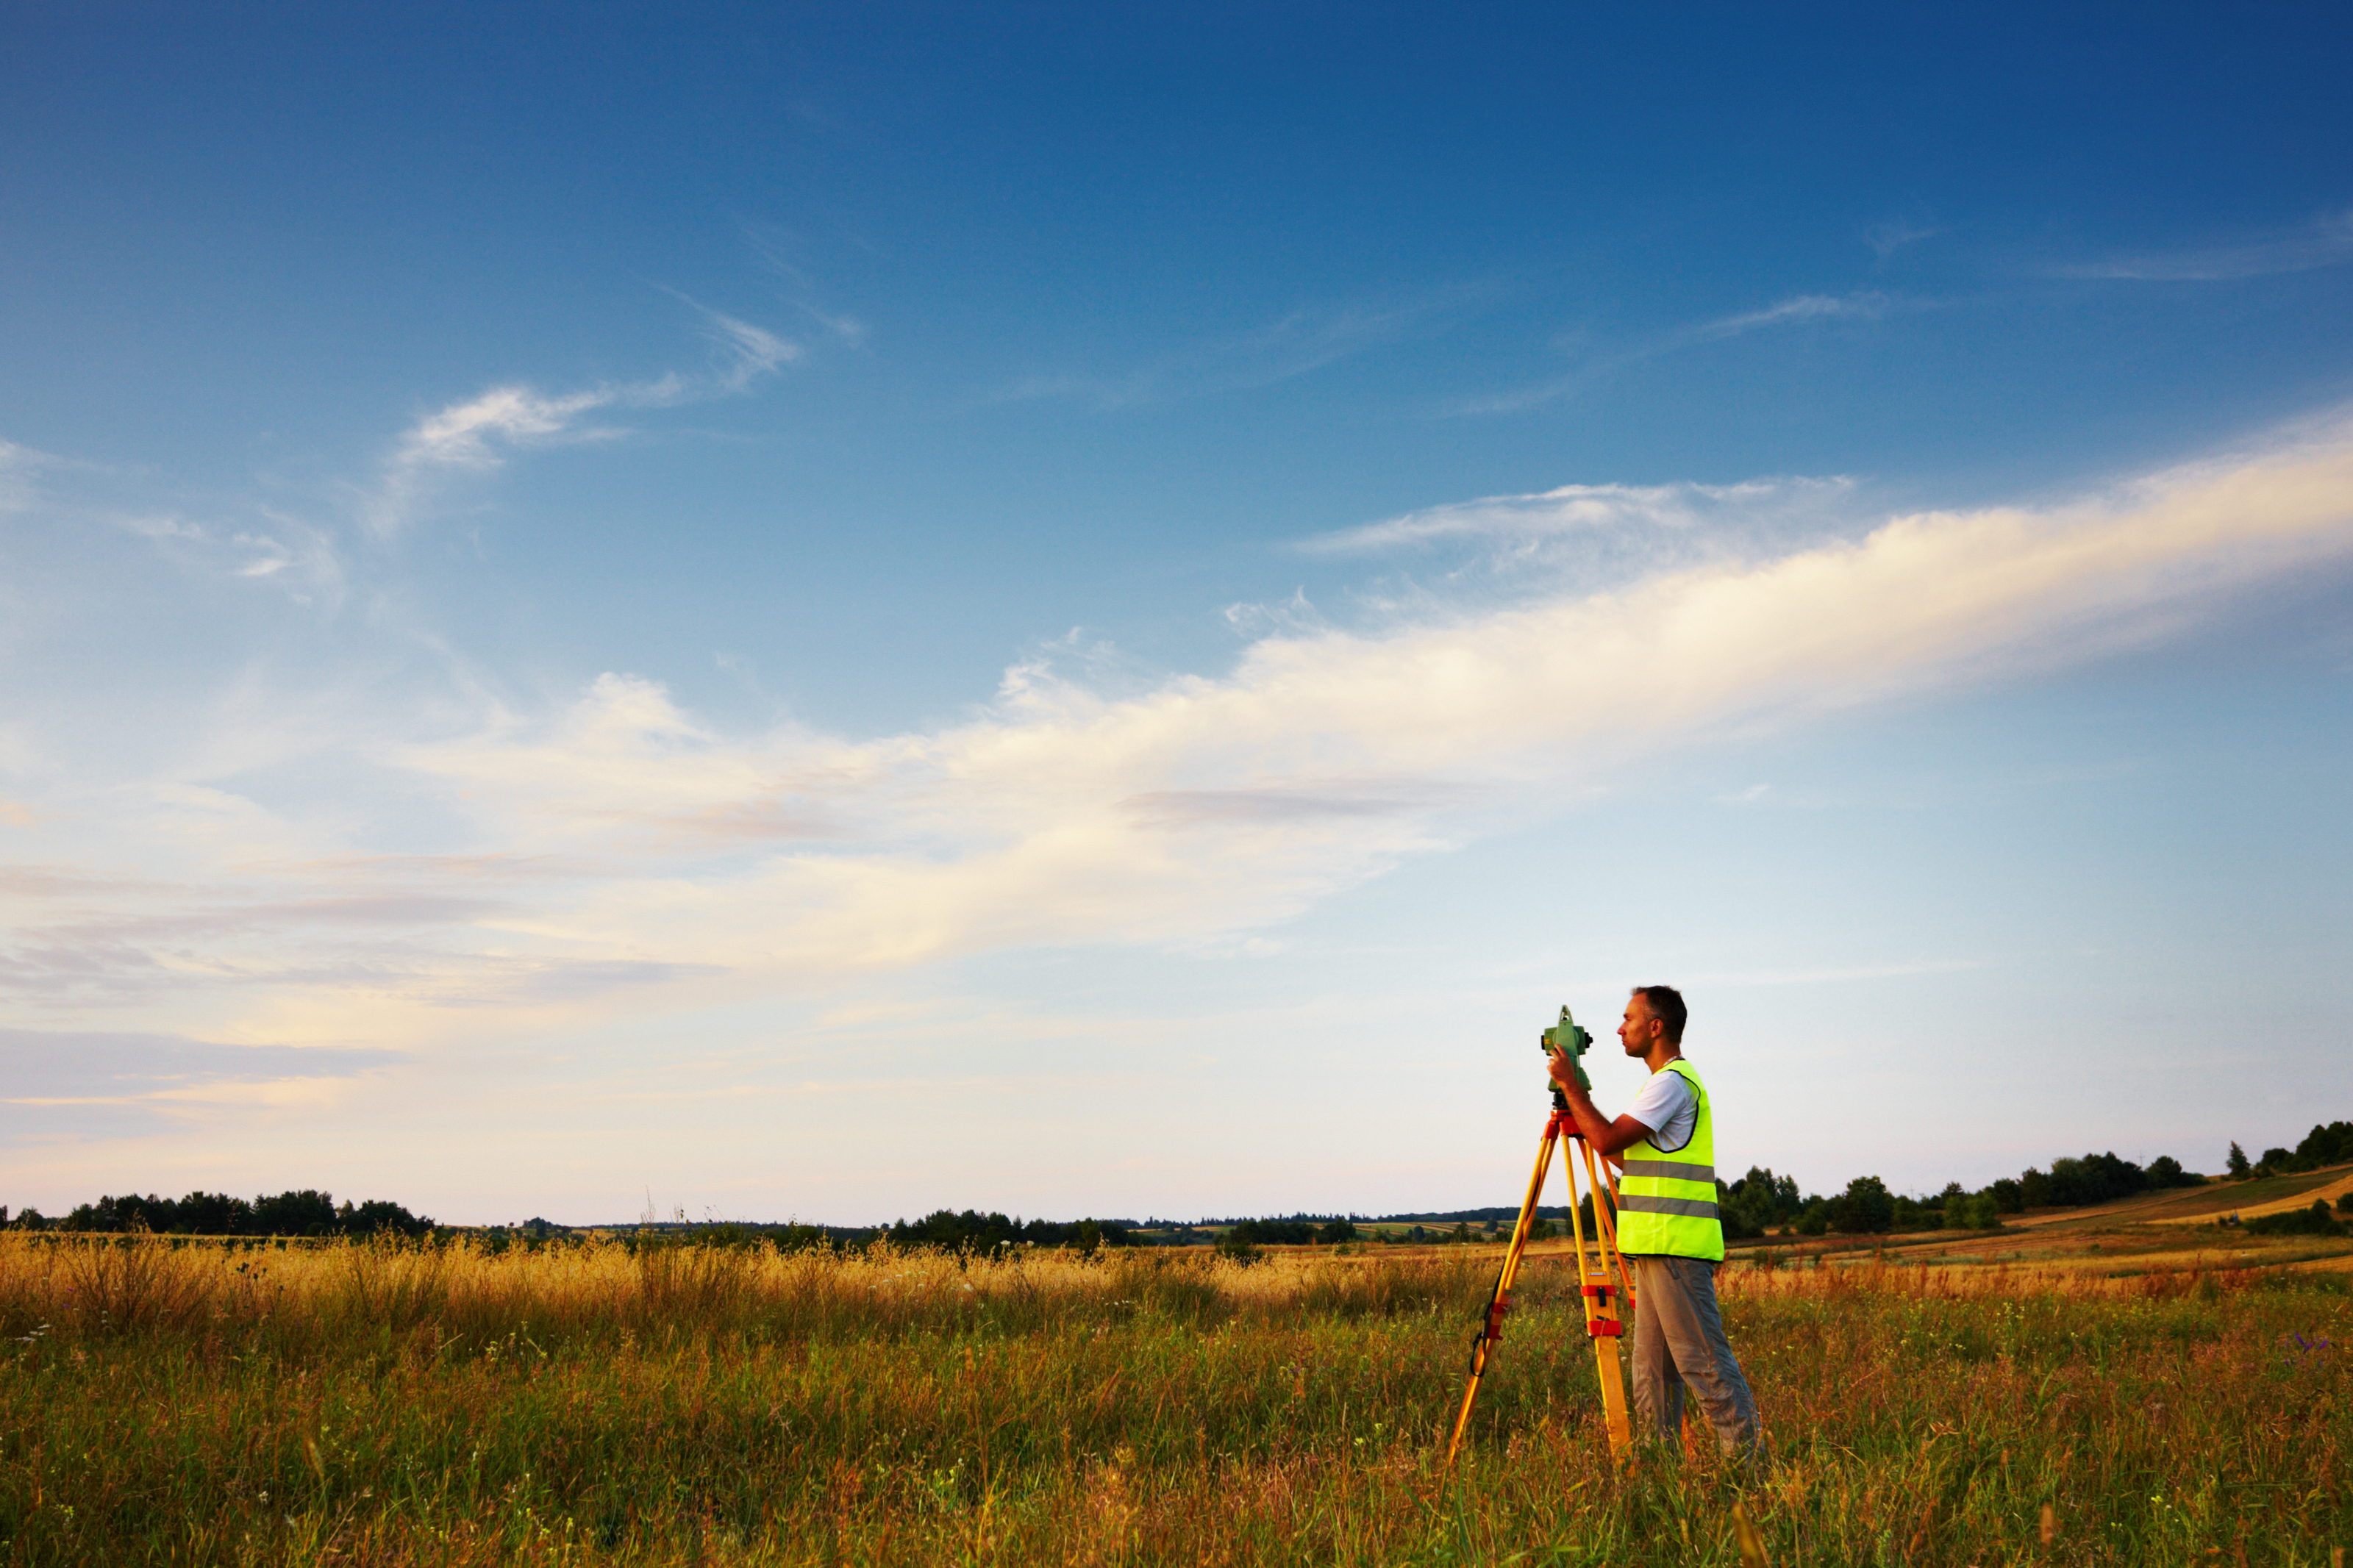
(345, 1403)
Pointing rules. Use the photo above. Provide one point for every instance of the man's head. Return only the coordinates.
(1654, 1015)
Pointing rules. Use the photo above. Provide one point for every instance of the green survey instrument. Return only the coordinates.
(1569, 1038)
(1604, 1284)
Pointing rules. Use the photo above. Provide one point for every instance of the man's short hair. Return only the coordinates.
(1666, 1004)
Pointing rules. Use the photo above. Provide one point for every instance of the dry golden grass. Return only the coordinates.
(373, 1404)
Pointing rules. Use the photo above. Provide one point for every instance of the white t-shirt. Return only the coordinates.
(1668, 1108)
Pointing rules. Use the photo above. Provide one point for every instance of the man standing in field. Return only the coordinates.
(1667, 1226)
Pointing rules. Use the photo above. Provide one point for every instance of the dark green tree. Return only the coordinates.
(214, 1213)
(2328, 1146)
(1758, 1202)
(1865, 1208)
(2314, 1220)
(379, 1216)
(306, 1213)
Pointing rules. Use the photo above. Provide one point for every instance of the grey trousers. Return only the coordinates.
(1679, 1342)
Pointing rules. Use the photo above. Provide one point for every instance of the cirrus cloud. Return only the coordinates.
(619, 848)
(1210, 804)
(475, 433)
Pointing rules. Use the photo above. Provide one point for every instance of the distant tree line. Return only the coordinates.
(974, 1231)
(305, 1213)
(1494, 1214)
(1300, 1230)
(1760, 1204)
(2314, 1220)
(2330, 1144)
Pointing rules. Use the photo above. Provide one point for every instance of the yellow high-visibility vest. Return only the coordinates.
(1666, 1199)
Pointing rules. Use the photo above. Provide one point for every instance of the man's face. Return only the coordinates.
(1640, 1028)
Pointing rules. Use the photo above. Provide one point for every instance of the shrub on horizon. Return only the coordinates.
(2314, 1220)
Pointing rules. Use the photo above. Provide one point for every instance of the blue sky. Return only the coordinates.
(830, 612)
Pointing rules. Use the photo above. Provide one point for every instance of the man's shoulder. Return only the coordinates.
(1665, 1086)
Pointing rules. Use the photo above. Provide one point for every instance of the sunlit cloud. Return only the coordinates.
(1644, 517)
(467, 435)
(69, 1084)
(621, 846)
(1217, 803)
(478, 434)
(52, 1066)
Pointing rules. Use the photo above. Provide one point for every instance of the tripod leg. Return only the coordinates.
(1613, 1235)
(1492, 1329)
(1601, 1316)
(1609, 1235)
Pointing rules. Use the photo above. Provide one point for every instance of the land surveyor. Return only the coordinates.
(1667, 1226)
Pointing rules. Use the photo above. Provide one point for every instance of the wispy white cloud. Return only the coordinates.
(1886, 238)
(1796, 311)
(63, 501)
(746, 352)
(18, 467)
(621, 848)
(1289, 346)
(849, 330)
(1645, 517)
(777, 248)
(65, 1085)
(1215, 804)
(461, 436)
(45, 1064)
(469, 436)
(2325, 242)
(273, 546)
(1790, 311)
(476, 435)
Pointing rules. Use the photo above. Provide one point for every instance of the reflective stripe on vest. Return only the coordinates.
(1666, 1200)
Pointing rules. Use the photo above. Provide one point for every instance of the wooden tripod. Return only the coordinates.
(1604, 1322)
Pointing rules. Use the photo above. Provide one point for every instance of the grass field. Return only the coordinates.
(365, 1404)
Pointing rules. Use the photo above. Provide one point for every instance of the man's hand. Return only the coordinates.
(1563, 1072)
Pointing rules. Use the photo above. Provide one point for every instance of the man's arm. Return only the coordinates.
(1601, 1135)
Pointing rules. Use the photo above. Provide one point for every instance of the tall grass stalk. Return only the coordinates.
(367, 1403)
